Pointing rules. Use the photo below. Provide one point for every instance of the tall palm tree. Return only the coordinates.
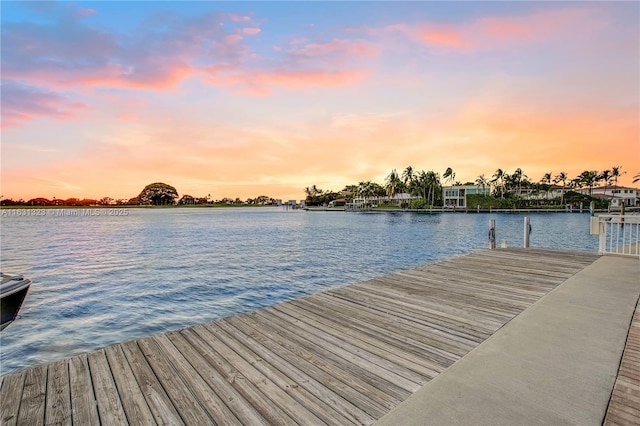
(518, 178)
(589, 178)
(498, 176)
(561, 177)
(616, 173)
(546, 183)
(606, 177)
(449, 175)
(432, 180)
(421, 184)
(482, 181)
(393, 184)
(408, 175)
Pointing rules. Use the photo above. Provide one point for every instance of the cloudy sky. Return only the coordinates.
(241, 99)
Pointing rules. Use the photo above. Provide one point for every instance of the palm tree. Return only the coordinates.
(449, 175)
(607, 177)
(636, 178)
(589, 178)
(432, 181)
(421, 184)
(498, 176)
(518, 178)
(561, 177)
(393, 184)
(408, 175)
(482, 181)
(546, 183)
(616, 173)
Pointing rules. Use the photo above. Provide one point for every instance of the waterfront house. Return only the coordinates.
(618, 195)
(456, 195)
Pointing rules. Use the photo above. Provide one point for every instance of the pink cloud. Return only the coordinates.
(260, 83)
(490, 33)
(251, 31)
(441, 37)
(22, 103)
(155, 57)
(233, 38)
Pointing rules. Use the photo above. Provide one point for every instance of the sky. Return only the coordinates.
(241, 99)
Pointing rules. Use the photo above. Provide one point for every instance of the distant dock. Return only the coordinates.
(345, 356)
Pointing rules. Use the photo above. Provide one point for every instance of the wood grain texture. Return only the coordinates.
(624, 407)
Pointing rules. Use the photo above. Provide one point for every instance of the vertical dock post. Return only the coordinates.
(492, 234)
(527, 231)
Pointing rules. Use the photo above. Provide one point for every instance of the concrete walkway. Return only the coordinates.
(556, 363)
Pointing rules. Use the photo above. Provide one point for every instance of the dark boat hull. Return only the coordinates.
(12, 294)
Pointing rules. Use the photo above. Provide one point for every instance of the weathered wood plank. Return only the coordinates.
(384, 350)
(11, 397)
(360, 393)
(191, 350)
(159, 403)
(83, 402)
(58, 404)
(624, 406)
(216, 339)
(183, 400)
(110, 408)
(34, 394)
(340, 353)
(215, 407)
(198, 336)
(412, 382)
(352, 404)
(132, 399)
(346, 412)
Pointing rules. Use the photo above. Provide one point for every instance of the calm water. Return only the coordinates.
(100, 280)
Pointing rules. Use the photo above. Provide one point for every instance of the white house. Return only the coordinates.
(456, 196)
(618, 195)
(402, 199)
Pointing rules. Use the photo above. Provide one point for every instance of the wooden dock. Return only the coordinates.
(344, 356)
(624, 407)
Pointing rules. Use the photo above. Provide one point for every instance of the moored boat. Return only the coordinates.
(13, 290)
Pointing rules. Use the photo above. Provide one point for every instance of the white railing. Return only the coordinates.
(619, 234)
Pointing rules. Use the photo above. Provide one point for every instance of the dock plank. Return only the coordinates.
(199, 336)
(218, 340)
(347, 412)
(34, 394)
(159, 403)
(131, 397)
(212, 403)
(624, 406)
(109, 406)
(58, 404)
(191, 349)
(83, 402)
(183, 400)
(11, 398)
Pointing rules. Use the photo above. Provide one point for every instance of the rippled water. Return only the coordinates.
(100, 280)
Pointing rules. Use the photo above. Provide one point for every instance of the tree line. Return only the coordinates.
(158, 194)
(426, 187)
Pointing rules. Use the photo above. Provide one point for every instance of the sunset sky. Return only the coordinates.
(240, 99)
